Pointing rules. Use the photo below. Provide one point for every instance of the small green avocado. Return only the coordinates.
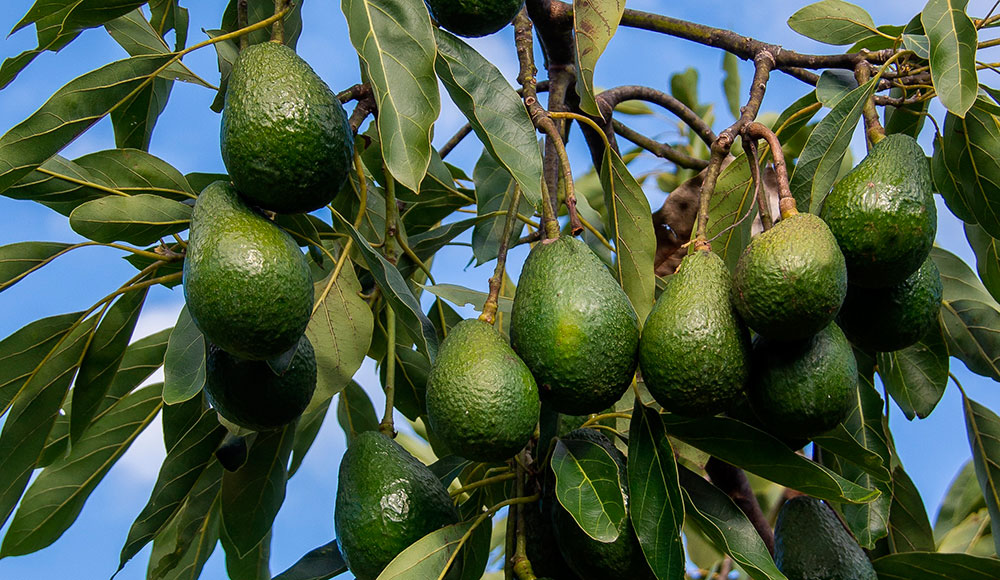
(386, 500)
(811, 543)
(791, 280)
(482, 401)
(882, 213)
(799, 389)
(246, 282)
(893, 318)
(285, 138)
(574, 327)
(695, 352)
(249, 394)
(471, 18)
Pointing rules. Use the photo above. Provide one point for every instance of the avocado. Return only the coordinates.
(472, 18)
(799, 389)
(386, 500)
(482, 401)
(250, 394)
(540, 546)
(695, 351)
(574, 327)
(791, 280)
(285, 138)
(811, 543)
(247, 284)
(893, 318)
(882, 213)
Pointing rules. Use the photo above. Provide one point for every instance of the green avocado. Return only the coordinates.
(695, 352)
(791, 280)
(574, 327)
(799, 389)
(386, 500)
(893, 318)
(471, 18)
(882, 213)
(246, 282)
(285, 138)
(249, 393)
(811, 543)
(482, 401)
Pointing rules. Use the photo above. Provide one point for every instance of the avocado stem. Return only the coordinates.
(874, 131)
(522, 566)
(241, 22)
(278, 29)
(759, 194)
(496, 281)
(786, 201)
(386, 426)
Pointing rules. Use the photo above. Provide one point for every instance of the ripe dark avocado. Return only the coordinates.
(471, 18)
(810, 543)
(791, 280)
(882, 213)
(893, 318)
(285, 138)
(695, 352)
(249, 394)
(574, 327)
(482, 401)
(799, 389)
(386, 500)
(246, 282)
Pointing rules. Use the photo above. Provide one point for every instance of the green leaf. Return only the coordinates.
(907, 119)
(182, 548)
(964, 497)
(833, 22)
(494, 192)
(184, 361)
(909, 528)
(22, 258)
(133, 171)
(935, 566)
(51, 36)
(355, 412)
(140, 219)
(834, 85)
(983, 426)
(731, 82)
(917, 375)
(82, 13)
(842, 443)
(55, 498)
(952, 44)
(986, 247)
(258, 10)
(794, 118)
(460, 296)
(588, 485)
(59, 184)
(320, 563)
(252, 566)
(428, 556)
(136, 35)
(594, 25)
(728, 211)
(412, 370)
(22, 352)
(657, 508)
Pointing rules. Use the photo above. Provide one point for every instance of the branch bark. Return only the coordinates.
(734, 482)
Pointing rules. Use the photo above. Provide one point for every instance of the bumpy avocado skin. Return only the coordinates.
(249, 394)
(386, 500)
(810, 543)
(799, 389)
(883, 214)
(574, 327)
(472, 18)
(791, 280)
(482, 401)
(246, 282)
(893, 318)
(285, 138)
(695, 351)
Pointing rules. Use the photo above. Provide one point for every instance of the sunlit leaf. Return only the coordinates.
(22, 258)
(983, 426)
(320, 563)
(428, 556)
(588, 485)
(594, 25)
(833, 22)
(140, 219)
(952, 45)
(184, 361)
(935, 566)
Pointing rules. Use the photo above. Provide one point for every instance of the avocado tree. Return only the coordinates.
(700, 391)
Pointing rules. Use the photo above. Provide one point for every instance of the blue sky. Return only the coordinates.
(187, 137)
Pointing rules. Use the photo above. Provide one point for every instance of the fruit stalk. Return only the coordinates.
(874, 132)
(241, 22)
(386, 425)
(756, 131)
(278, 30)
(493, 300)
(763, 202)
(522, 566)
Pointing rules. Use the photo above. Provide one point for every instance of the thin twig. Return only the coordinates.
(611, 98)
(455, 140)
(661, 150)
(493, 299)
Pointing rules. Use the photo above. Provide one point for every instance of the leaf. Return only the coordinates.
(588, 485)
(258, 10)
(133, 171)
(796, 116)
(428, 556)
(728, 211)
(952, 44)
(973, 331)
(82, 13)
(907, 119)
(594, 25)
(657, 507)
(22, 258)
(136, 35)
(494, 192)
(731, 82)
(59, 184)
(320, 563)
(909, 528)
(983, 426)
(182, 548)
(51, 36)
(964, 497)
(412, 370)
(833, 22)
(935, 566)
(355, 411)
(966, 167)
(630, 225)
(917, 375)
(494, 110)
(184, 361)
(842, 443)
(986, 247)
(140, 219)
(252, 566)
(834, 85)
(460, 296)
(23, 351)
(55, 498)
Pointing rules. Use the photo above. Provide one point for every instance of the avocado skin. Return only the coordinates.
(883, 214)
(803, 388)
(386, 500)
(249, 394)
(472, 18)
(791, 280)
(285, 138)
(246, 282)
(893, 318)
(574, 327)
(810, 543)
(482, 401)
(695, 352)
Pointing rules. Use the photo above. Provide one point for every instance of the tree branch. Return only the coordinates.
(661, 150)
(734, 482)
(611, 98)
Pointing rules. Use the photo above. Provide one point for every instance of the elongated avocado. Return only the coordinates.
(473, 18)
(811, 543)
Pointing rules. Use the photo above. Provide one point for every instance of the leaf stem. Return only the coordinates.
(386, 426)
(493, 299)
(603, 416)
(241, 22)
(522, 566)
(487, 514)
(278, 28)
(484, 482)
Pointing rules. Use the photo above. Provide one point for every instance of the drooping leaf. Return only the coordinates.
(917, 375)
(59, 184)
(834, 85)
(355, 411)
(251, 566)
(970, 317)
(412, 370)
(51, 36)
(963, 497)
(184, 361)
(321, 563)
(833, 22)
(181, 549)
(909, 528)
(983, 426)
(139, 219)
(461, 296)
(22, 258)
(134, 172)
(594, 25)
(494, 192)
(796, 116)
(27, 348)
(952, 45)
(258, 10)
(936, 566)
(730, 211)
(731, 82)
(987, 249)
(428, 556)
(841, 442)
(907, 119)
(588, 485)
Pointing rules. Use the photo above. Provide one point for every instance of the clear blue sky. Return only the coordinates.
(187, 137)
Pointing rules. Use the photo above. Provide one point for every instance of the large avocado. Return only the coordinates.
(694, 352)
(482, 401)
(882, 213)
(246, 282)
(472, 18)
(811, 543)
(574, 327)
(386, 500)
(285, 138)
